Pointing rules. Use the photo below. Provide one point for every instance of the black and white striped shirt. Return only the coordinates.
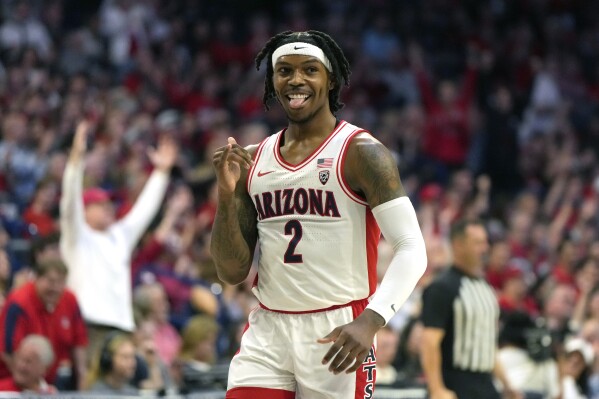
(466, 309)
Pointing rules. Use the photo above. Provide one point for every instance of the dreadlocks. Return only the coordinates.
(341, 69)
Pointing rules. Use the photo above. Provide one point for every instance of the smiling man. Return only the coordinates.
(45, 307)
(315, 197)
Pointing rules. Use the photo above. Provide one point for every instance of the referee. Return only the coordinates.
(460, 316)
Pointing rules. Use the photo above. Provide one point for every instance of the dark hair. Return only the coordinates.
(41, 242)
(583, 381)
(458, 228)
(43, 268)
(520, 330)
(331, 49)
(514, 325)
(402, 357)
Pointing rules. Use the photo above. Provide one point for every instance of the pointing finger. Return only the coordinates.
(330, 337)
(334, 349)
(224, 154)
(247, 157)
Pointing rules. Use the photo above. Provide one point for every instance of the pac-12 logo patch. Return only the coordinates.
(323, 176)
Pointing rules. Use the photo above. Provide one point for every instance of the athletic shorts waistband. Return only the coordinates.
(363, 302)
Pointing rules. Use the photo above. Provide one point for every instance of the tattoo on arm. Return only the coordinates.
(247, 216)
(234, 236)
(377, 174)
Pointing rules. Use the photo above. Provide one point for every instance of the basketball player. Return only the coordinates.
(316, 196)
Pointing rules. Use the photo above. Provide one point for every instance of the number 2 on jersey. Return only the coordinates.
(293, 227)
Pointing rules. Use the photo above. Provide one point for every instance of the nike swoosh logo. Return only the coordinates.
(260, 174)
(297, 48)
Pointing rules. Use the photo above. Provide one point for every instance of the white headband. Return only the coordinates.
(301, 48)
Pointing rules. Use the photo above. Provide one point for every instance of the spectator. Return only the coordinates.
(557, 310)
(497, 265)
(46, 308)
(380, 42)
(514, 293)
(575, 368)
(448, 129)
(586, 281)
(153, 306)
(563, 270)
(526, 354)
(20, 165)
(151, 372)
(587, 275)
(166, 257)
(31, 362)
(39, 215)
(97, 249)
(125, 25)
(387, 344)
(407, 359)
(501, 142)
(23, 30)
(45, 248)
(114, 366)
(590, 333)
(541, 115)
(438, 255)
(519, 233)
(198, 355)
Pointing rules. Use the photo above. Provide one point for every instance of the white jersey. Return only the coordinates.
(317, 238)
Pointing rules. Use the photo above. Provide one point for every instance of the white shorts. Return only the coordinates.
(279, 358)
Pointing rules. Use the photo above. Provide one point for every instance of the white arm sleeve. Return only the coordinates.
(399, 225)
(145, 208)
(72, 213)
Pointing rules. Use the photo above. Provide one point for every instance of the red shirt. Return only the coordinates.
(24, 314)
(8, 385)
(447, 130)
(527, 305)
(563, 276)
(495, 278)
(43, 222)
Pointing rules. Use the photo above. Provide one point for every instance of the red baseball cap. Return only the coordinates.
(95, 195)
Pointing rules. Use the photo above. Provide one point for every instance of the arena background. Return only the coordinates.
(517, 148)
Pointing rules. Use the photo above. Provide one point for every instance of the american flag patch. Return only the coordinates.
(324, 163)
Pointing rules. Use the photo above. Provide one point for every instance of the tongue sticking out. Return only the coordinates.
(296, 102)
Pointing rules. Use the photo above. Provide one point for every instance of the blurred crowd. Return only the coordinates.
(491, 109)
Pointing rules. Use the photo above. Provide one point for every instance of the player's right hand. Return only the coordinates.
(228, 161)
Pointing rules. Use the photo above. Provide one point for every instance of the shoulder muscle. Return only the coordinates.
(370, 169)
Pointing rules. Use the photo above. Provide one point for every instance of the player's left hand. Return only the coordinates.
(351, 342)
